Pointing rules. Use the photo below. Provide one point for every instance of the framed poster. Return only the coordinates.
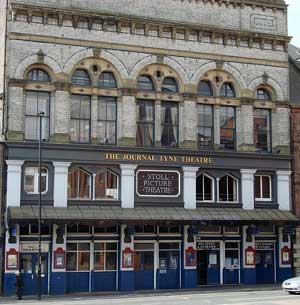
(250, 256)
(12, 259)
(190, 257)
(59, 258)
(285, 256)
(127, 258)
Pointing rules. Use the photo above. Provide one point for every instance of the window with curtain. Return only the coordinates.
(227, 90)
(107, 80)
(145, 83)
(80, 118)
(31, 180)
(204, 188)
(262, 130)
(105, 256)
(169, 124)
(145, 123)
(106, 185)
(263, 94)
(78, 257)
(205, 88)
(228, 189)
(107, 120)
(35, 103)
(38, 75)
(227, 128)
(79, 184)
(263, 188)
(169, 85)
(205, 126)
(81, 78)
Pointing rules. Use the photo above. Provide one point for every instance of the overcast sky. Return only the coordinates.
(294, 20)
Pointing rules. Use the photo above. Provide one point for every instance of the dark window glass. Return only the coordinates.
(227, 90)
(107, 80)
(228, 189)
(80, 118)
(169, 124)
(78, 185)
(262, 130)
(107, 120)
(204, 188)
(262, 94)
(81, 78)
(169, 85)
(227, 128)
(71, 260)
(205, 88)
(37, 102)
(145, 83)
(106, 185)
(145, 123)
(38, 75)
(205, 126)
(263, 187)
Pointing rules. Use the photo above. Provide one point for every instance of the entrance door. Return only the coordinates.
(144, 266)
(264, 267)
(202, 262)
(29, 273)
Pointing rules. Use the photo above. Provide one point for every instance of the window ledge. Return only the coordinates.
(219, 205)
(95, 202)
(266, 205)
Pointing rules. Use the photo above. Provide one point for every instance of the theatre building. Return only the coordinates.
(166, 156)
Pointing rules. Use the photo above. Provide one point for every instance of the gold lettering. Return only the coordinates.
(111, 156)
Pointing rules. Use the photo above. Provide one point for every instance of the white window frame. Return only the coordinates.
(105, 251)
(34, 171)
(237, 189)
(261, 188)
(213, 188)
(94, 186)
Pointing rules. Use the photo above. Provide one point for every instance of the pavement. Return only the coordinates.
(266, 295)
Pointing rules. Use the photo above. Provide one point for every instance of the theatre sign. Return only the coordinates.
(158, 183)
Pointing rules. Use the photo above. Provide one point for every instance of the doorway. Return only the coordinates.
(202, 262)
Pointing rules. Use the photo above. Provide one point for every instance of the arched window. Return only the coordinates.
(107, 80)
(205, 188)
(106, 185)
(81, 78)
(145, 83)
(205, 88)
(38, 75)
(227, 90)
(170, 85)
(228, 189)
(79, 184)
(263, 94)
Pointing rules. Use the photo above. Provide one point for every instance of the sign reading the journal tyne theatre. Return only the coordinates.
(158, 183)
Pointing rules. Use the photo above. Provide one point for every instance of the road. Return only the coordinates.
(244, 297)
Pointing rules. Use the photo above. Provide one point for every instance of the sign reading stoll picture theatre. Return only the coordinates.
(158, 183)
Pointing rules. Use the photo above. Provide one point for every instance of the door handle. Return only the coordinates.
(32, 276)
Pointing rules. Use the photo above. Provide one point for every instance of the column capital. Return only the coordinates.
(248, 171)
(284, 173)
(129, 167)
(61, 164)
(14, 165)
(188, 169)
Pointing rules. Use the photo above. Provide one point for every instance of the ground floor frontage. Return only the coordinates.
(90, 258)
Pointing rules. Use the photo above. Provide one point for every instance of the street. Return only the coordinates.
(224, 297)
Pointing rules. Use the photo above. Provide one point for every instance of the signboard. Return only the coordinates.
(155, 183)
(33, 247)
(208, 245)
(264, 245)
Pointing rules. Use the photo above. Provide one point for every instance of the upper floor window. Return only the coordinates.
(205, 126)
(80, 118)
(79, 184)
(31, 180)
(145, 83)
(37, 102)
(38, 75)
(106, 185)
(227, 90)
(228, 189)
(227, 128)
(107, 120)
(169, 85)
(81, 78)
(263, 94)
(205, 88)
(145, 123)
(205, 188)
(263, 188)
(262, 130)
(169, 124)
(107, 80)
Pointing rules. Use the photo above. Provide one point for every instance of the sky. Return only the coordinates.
(294, 21)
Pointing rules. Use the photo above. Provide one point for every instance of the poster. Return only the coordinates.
(213, 259)
(12, 261)
(173, 262)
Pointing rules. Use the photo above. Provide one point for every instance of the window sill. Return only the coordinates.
(219, 205)
(266, 205)
(94, 202)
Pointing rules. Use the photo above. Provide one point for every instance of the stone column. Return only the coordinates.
(94, 118)
(14, 175)
(61, 184)
(246, 127)
(127, 185)
(157, 123)
(217, 126)
(247, 182)
(189, 122)
(284, 190)
(281, 130)
(189, 187)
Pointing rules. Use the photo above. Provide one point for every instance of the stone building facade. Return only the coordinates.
(166, 160)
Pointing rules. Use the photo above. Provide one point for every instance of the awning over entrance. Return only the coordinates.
(93, 214)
